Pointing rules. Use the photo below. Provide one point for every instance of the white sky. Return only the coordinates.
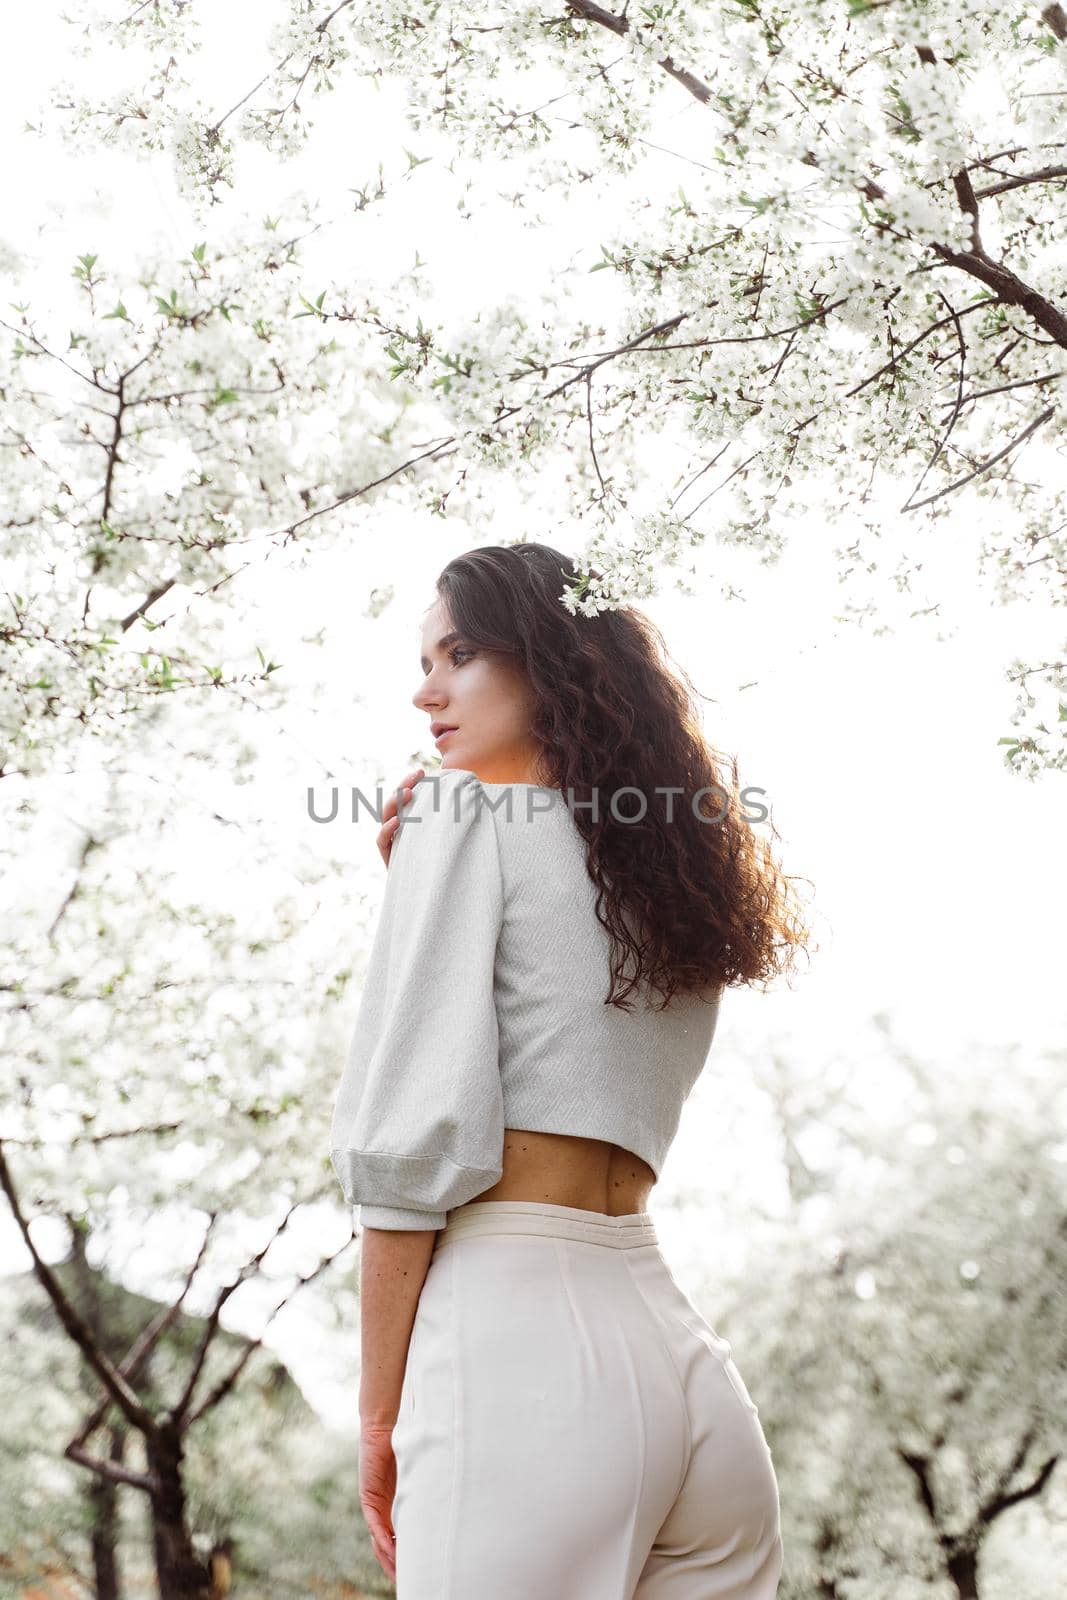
(939, 877)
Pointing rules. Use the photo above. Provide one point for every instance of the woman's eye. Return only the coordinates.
(456, 651)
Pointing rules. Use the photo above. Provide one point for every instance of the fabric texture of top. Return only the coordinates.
(483, 1009)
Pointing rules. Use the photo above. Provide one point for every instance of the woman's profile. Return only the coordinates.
(544, 1413)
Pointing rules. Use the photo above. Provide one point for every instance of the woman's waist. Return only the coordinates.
(544, 1219)
(584, 1172)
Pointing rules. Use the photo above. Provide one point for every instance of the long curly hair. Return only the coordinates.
(691, 897)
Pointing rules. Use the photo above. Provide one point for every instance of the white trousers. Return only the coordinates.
(570, 1426)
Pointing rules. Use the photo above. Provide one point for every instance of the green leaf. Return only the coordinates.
(312, 310)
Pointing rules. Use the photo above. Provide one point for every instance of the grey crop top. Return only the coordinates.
(483, 1010)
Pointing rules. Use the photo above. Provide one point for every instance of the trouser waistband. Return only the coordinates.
(536, 1217)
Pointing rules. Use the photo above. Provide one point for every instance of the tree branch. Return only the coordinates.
(1042, 176)
(1010, 288)
(1004, 1502)
(957, 407)
(975, 305)
(75, 1325)
(211, 1322)
(1008, 285)
(588, 12)
(984, 466)
(226, 1383)
(133, 1361)
(149, 600)
(113, 1471)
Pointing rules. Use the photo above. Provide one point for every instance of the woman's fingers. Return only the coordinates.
(407, 782)
(377, 1490)
(390, 813)
(384, 1549)
(386, 1557)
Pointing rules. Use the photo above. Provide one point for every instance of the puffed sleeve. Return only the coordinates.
(418, 1123)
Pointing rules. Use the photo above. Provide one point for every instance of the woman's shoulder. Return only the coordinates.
(442, 837)
(447, 789)
(457, 791)
(521, 819)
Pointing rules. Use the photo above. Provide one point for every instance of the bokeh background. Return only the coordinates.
(867, 1194)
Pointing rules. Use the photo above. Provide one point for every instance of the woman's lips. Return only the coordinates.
(443, 735)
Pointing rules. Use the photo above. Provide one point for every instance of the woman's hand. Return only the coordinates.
(391, 817)
(377, 1488)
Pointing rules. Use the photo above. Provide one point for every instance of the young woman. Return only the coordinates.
(544, 1413)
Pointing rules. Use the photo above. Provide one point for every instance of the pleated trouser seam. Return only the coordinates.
(457, 1433)
(662, 1335)
(641, 1419)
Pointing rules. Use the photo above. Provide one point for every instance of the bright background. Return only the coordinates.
(939, 877)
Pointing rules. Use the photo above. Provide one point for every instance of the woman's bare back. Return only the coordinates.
(563, 1169)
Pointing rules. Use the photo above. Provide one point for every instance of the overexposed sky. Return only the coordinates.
(939, 877)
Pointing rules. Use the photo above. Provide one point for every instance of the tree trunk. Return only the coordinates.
(104, 1539)
(180, 1573)
(963, 1570)
(102, 1493)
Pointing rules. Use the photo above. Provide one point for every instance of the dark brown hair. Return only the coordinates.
(709, 904)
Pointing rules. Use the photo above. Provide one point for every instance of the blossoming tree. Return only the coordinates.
(858, 295)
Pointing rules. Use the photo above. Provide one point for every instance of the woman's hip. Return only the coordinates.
(561, 1389)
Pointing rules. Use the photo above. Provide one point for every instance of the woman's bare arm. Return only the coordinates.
(393, 1267)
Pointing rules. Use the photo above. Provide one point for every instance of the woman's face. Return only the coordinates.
(484, 697)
